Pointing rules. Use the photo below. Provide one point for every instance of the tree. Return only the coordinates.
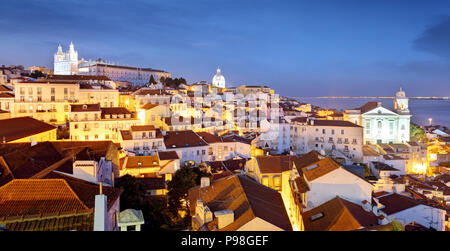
(152, 80)
(37, 74)
(184, 179)
(133, 192)
(417, 133)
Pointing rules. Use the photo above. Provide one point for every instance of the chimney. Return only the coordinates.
(204, 182)
(382, 220)
(100, 211)
(203, 213)
(366, 206)
(224, 218)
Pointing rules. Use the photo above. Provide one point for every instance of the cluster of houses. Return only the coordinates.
(275, 163)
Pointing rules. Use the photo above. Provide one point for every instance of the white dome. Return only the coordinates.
(218, 80)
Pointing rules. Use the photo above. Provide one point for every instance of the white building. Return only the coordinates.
(66, 63)
(407, 210)
(135, 75)
(340, 139)
(218, 80)
(277, 138)
(327, 179)
(142, 140)
(382, 125)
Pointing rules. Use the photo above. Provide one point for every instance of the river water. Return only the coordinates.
(421, 110)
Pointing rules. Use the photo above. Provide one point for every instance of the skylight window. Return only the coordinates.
(316, 216)
(311, 167)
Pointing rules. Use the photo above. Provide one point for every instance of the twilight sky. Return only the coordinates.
(300, 48)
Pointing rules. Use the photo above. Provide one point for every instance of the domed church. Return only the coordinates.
(218, 80)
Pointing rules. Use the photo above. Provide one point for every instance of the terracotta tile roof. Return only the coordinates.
(367, 107)
(319, 168)
(85, 108)
(235, 164)
(383, 167)
(246, 198)
(149, 106)
(239, 139)
(443, 178)
(169, 155)
(300, 119)
(77, 77)
(35, 196)
(114, 110)
(275, 164)
(181, 139)
(369, 151)
(6, 95)
(126, 134)
(307, 159)
(337, 123)
(139, 128)
(220, 175)
(210, 138)
(380, 193)
(24, 161)
(79, 221)
(30, 160)
(395, 203)
(141, 161)
(86, 190)
(21, 127)
(151, 92)
(338, 215)
(4, 88)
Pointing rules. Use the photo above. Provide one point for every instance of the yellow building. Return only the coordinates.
(126, 100)
(153, 114)
(49, 102)
(99, 94)
(92, 122)
(26, 129)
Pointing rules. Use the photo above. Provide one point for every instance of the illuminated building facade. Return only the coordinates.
(49, 102)
(90, 122)
(382, 125)
(66, 63)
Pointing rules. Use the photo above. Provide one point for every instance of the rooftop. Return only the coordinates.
(21, 127)
(246, 198)
(338, 215)
(181, 139)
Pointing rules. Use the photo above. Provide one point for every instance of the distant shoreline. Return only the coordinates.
(422, 98)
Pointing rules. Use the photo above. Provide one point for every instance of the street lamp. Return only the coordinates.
(430, 120)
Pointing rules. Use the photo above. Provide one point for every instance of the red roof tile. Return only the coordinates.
(35, 196)
(21, 127)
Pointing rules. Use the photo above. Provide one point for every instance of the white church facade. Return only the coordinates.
(381, 125)
(66, 63)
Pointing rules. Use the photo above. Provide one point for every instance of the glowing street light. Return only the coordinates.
(430, 120)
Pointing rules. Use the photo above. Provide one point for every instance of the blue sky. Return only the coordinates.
(300, 48)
